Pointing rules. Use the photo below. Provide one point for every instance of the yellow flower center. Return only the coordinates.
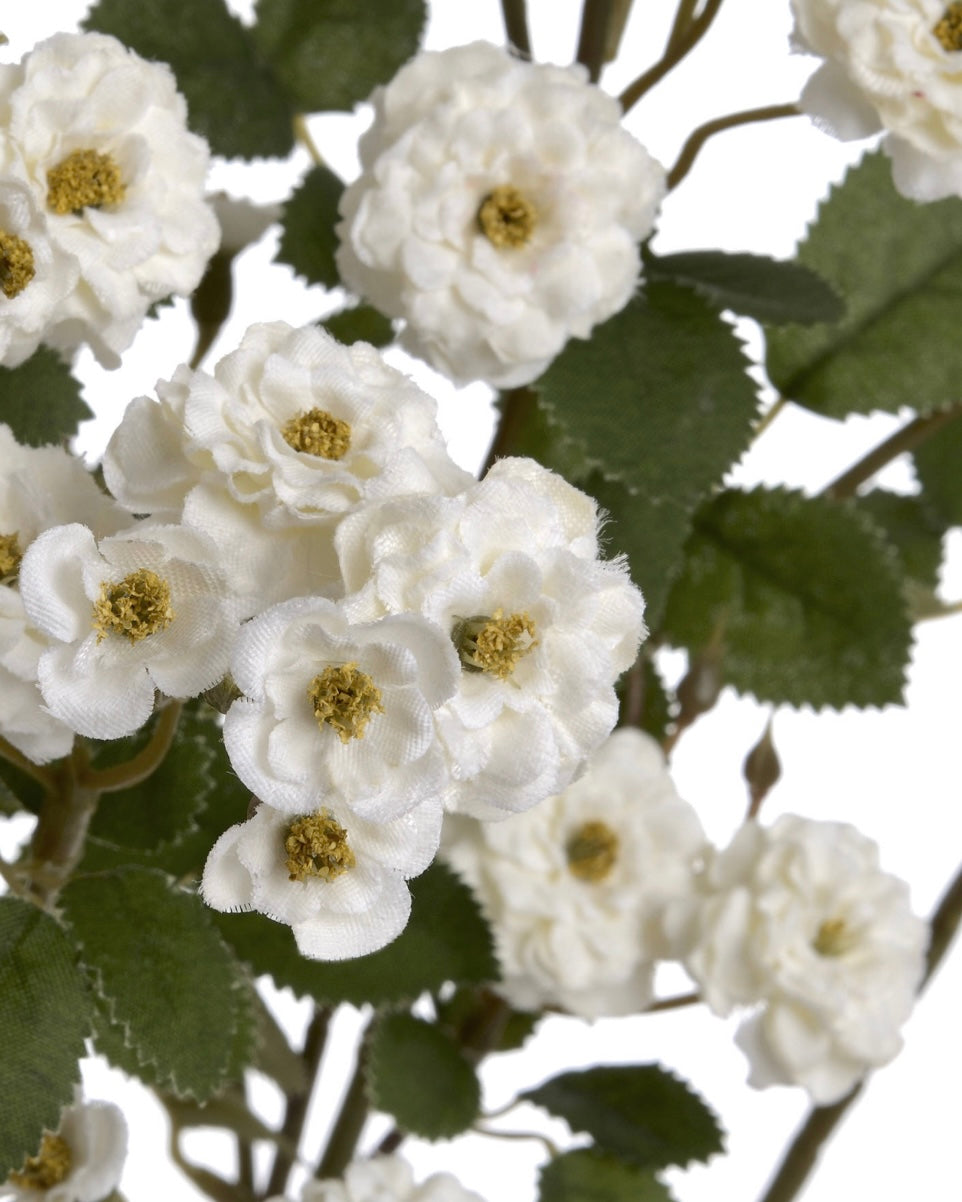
(317, 846)
(833, 938)
(10, 556)
(48, 1168)
(591, 851)
(949, 28)
(84, 178)
(344, 698)
(136, 607)
(507, 218)
(318, 432)
(16, 264)
(494, 644)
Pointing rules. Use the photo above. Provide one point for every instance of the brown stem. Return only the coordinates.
(684, 16)
(515, 14)
(633, 702)
(144, 763)
(674, 1003)
(516, 407)
(61, 829)
(342, 1141)
(802, 1155)
(391, 1142)
(697, 139)
(911, 435)
(596, 16)
(292, 1128)
(674, 53)
(40, 774)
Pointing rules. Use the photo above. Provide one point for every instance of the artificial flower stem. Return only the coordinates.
(907, 438)
(292, 1129)
(347, 1129)
(673, 55)
(698, 138)
(144, 763)
(596, 18)
(552, 1148)
(769, 416)
(684, 16)
(28, 767)
(674, 1003)
(517, 406)
(800, 1159)
(515, 14)
(61, 829)
(303, 135)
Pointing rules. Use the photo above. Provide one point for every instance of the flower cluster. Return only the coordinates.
(102, 209)
(498, 212)
(893, 65)
(79, 1162)
(798, 921)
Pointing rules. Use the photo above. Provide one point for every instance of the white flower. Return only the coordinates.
(335, 879)
(800, 920)
(144, 610)
(510, 570)
(498, 212)
(339, 711)
(894, 65)
(81, 1162)
(386, 1179)
(573, 888)
(100, 137)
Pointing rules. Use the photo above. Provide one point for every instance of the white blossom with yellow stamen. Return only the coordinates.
(510, 570)
(574, 888)
(142, 610)
(799, 921)
(99, 135)
(498, 212)
(892, 65)
(337, 880)
(81, 1162)
(340, 711)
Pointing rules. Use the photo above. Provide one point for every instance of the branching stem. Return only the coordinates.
(697, 139)
(143, 764)
(680, 43)
(349, 1124)
(292, 1129)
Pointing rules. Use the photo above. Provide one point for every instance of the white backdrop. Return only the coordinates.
(893, 773)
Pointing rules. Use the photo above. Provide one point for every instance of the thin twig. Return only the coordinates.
(684, 16)
(674, 1003)
(391, 1142)
(802, 1154)
(673, 55)
(769, 416)
(515, 14)
(516, 406)
(349, 1124)
(28, 767)
(550, 1145)
(697, 139)
(596, 16)
(303, 135)
(143, 764)
(297, 1105)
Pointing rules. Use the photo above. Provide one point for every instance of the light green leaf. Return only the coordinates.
(308, 241)
(898, 267)
(658, 398)
(639, 1113)
(40, 400)
(587, 1175)
(446, 939)
(418, 1075)
(805, 595)
(332, 53)
(360, 324)
(45, 1015)
(767, 289)
(167, 978)
(234, 99)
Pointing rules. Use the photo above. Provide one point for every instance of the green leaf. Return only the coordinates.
(40, 400)
(234, 99)
(165, 974)
(331, 54)
(767, 289)
(640, 1113)
(658, 398)
(586, 1175)
(937, 468)
(898, 266)
(913, 529)
(360, 324)
(805, 595)
(44, 1015)
(446, 939)
(420, 1076)
(308, 241)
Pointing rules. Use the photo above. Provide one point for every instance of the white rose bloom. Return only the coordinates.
(100, 137)
(894, 65)
(499, 211)
(145, 609)
(339, 710)
(81, 1162)
(799, 920)
(386, 1179)
(573, 889)
(338, 881)
(543, 627)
